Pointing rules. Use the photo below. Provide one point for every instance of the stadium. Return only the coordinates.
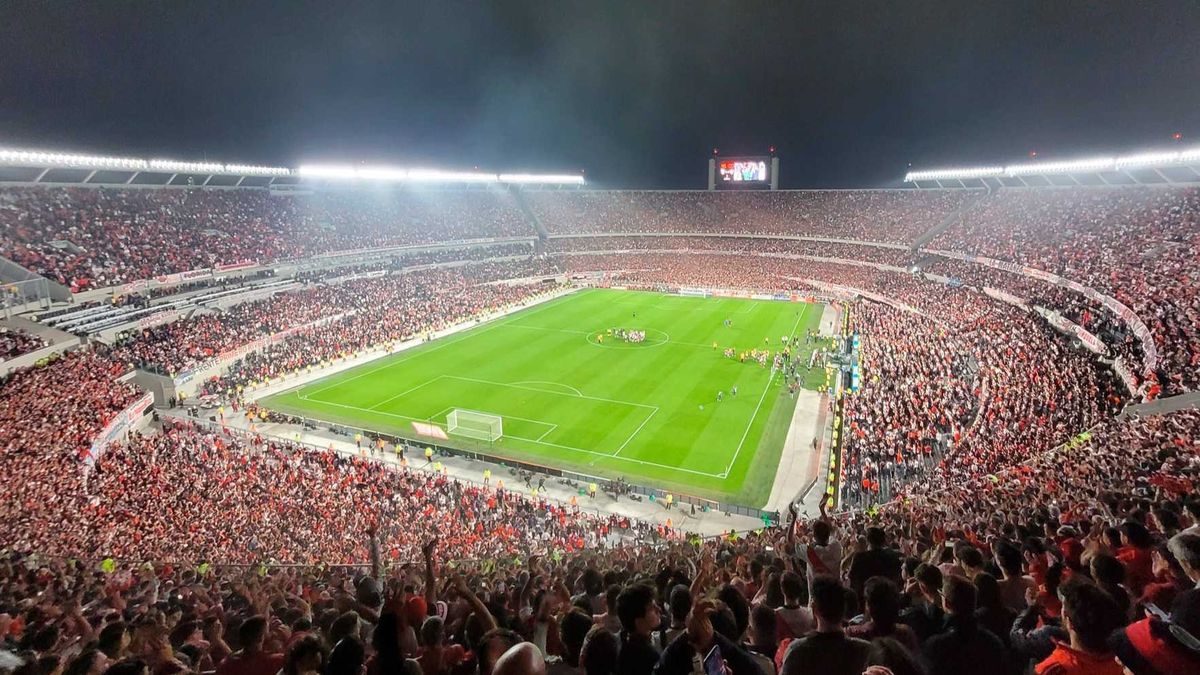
(355, 416)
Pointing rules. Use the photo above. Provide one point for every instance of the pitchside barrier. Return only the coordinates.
(416, 447)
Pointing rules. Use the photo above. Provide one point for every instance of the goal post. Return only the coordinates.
(477, 425)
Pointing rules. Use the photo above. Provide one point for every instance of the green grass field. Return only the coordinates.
(648, 412)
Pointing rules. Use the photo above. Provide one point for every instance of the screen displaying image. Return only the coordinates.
(743, 170)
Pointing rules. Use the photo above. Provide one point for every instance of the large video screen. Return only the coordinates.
(743, 171)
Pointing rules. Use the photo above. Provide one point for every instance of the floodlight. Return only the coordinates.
(1147, 159)
(954, 174)
(326, 171)
(257, 170)
(565, 179)
(435, 176)
(1084, 165)
(185, 167)
(380, 173)
(1190, 155)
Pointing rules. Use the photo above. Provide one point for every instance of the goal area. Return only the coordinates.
(472, 424)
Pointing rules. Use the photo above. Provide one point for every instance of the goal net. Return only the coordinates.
(477, 425)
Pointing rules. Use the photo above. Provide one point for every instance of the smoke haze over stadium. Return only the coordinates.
(636, 93)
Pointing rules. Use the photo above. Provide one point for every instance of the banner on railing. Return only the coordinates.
(1149, 348)
(157, 318)
(1005, 297)
(117, 427)
(231, 267)
(1069, 327)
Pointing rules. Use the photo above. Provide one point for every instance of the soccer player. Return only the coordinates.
(720, 396)
(734, 390)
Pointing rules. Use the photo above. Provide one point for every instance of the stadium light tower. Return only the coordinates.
(1166, 165)
(53, 167)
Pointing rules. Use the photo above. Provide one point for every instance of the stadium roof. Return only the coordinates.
(1158, 167)
(33, 166)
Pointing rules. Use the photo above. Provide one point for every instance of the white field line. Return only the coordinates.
(599, 455)
(423, 419)
(553, 393)
(406, 391)
(725, 474)
(556, 384)
(548, 432)
(635, 432)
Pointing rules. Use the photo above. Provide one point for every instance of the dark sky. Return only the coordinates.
(636, 93)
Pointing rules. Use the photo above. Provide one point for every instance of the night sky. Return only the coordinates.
(636, 93)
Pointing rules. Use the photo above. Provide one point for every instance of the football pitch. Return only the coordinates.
(572, 395)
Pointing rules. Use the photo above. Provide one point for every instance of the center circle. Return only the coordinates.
(654, 338)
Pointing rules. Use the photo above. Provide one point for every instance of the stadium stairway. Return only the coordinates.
(534, 221)
(949, 220)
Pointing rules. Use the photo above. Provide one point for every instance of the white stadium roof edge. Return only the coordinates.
(1152, 167)
(34, 166)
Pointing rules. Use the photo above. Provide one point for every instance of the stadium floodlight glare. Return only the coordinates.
(380, 173)
(37, 158)
(435, 176)
(185, 167)
(1192, 155)
(403, 175)
(1137, 160)
(1074, 166)
(1147, 159)
(399, 174)
(326, 171)
(954, 174)
(548, 179)
(257, 170)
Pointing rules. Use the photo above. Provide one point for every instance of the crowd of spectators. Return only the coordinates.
(1084, 559)
(15, 342)
(1136, 244)
(896, 257)
(89, 238)
(963, 394)
(50, 414)
(1090, 315)
(898, 216)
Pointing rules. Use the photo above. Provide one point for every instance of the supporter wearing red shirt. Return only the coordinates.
(251, 659)
(1135, 554)
(1089, 616)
